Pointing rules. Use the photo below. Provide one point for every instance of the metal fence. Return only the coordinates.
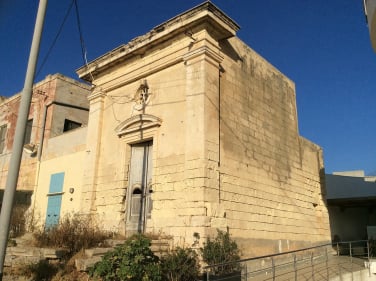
(339, 261)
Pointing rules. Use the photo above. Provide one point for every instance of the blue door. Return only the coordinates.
(55, 194)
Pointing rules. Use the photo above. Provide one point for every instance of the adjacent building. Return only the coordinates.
(59, 105)
(351, 198)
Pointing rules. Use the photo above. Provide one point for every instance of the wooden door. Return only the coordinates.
(140, 190)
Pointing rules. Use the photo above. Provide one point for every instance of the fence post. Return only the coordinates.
(327, 263)
(295, 268)
(207, 275)
(337, 250)
(351, 262)
(350, 247)
(246, 272)
(369, 260)
(313, 269)
(273, 269)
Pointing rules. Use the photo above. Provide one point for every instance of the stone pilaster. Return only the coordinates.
(93, 144)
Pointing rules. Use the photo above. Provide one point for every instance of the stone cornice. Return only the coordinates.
(96, 93)
(225, 27)
(208, 52)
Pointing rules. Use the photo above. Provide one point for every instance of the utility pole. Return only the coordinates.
(23, 114)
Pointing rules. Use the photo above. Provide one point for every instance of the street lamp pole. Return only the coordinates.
(23, 112)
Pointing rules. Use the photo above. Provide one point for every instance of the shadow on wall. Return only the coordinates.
(21, 198)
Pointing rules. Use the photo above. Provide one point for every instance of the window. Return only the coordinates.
(70, 125)
(3, 133)
(29, 127)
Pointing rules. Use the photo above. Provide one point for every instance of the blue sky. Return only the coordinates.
(323, 46)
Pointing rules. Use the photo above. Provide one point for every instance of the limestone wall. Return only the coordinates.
(270, 177)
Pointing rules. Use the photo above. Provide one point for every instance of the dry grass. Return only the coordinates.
(18, 221)
(73, 234)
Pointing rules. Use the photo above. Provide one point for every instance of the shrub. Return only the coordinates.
(72, 233)
(132, 261)
(181, 265)
(221, 249)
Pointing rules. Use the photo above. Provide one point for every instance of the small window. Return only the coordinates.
(137, 191)
(70, 125)
(3, 133)
(29, 128)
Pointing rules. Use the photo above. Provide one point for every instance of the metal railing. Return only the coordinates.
(338, 261)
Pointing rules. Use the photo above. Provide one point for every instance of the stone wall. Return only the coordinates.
(270, 177)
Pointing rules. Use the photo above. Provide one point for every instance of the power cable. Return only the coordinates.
(83, 47)
(55, 39)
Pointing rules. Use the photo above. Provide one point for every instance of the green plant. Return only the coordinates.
(72, 233)
(181, 265)
(132, 261)
(221, 250)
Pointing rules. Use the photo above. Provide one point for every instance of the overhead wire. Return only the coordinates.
(82, 42)
(83, 47)
(55, 39)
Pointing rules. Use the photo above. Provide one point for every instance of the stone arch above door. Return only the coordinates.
(140, 124)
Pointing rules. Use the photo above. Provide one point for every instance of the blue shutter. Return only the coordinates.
(54, 200)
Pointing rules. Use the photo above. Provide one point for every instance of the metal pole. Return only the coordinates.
(23, 113)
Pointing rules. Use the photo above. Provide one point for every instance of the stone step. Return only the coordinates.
(20, 260)
(97, 252)
(47, 253)
(161, 246)
(50, 253)
(114, 242)
(22, 254)
(83, 264)
(23, 251)
(94, 255)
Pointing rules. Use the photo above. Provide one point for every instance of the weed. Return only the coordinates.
(221, 249)
(72, 233)
(42, 270)
(181, 265)
(132, 261)
(18, 221)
